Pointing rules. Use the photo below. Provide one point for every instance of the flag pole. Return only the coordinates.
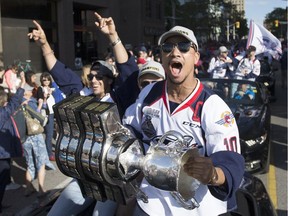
(250, 34)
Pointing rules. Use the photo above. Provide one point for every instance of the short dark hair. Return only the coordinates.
(28, 75)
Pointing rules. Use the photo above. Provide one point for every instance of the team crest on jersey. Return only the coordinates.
(227, 119)
(152, 112)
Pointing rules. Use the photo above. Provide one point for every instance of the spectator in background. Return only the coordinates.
(35, 151)
(110, 59)
(10, 78)
(10, 145)
(46, 102)
(248, 67)
(150, 72)
(222, 65)
(283, 62)
(244, 92)
(141, 56)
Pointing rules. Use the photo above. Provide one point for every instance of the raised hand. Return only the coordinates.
(38, 34)
(105, 25)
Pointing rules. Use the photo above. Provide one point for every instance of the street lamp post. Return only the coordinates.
(228, 28)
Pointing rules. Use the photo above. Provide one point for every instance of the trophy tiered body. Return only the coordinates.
(91, 139)
(109, 163)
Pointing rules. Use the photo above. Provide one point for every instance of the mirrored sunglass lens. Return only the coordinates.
(99, 77)
(167, 47)
(184, 46)
(91, 76)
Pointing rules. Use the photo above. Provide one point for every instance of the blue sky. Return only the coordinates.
(258, 9)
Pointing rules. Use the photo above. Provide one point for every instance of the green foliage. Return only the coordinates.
(205, 17)
(279, 14)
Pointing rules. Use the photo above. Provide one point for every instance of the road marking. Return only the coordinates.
(271, 178)
(272, 188)
(279, 121)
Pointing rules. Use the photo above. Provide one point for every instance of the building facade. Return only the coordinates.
(70, 28)
(240, 4)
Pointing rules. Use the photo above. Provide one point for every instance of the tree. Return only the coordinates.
(279, 14)
(207, 18)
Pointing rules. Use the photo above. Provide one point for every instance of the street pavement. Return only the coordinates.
(15, 203)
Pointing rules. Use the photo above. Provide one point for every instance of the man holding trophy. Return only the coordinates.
(183, 104)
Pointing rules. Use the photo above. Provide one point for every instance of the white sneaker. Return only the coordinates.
(12, 186)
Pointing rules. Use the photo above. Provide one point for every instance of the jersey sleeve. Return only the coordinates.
(219, 125)
(223, 146)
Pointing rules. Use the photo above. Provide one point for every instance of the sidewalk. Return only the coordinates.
(15, 203)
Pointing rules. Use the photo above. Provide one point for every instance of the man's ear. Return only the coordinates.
(196, 57)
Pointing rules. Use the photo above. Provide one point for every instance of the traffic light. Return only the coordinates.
(276, 23)
(237, 24)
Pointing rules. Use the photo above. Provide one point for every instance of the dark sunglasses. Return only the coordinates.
(97, 76)
(181, 46)
(145, 83)
(45, 80)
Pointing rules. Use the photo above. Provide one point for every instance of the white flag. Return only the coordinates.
(263, 40)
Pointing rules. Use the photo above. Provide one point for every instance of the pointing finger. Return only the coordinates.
(37, 25)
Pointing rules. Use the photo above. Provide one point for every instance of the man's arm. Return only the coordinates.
(39, 36)
(125, 63)
(67, 80)
(107, 27)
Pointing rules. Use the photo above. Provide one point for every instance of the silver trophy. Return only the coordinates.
(91, 139)
(109, 163)
(162, 167)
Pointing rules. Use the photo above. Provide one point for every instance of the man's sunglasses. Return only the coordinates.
(181, 46)
(97, 76)
(145, 83)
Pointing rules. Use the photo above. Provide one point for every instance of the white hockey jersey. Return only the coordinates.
(205, 117)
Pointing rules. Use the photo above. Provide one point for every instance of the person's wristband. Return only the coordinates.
(114, 43)
(214, 178)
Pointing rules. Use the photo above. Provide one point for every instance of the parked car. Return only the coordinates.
(252, 199)
(249, 103)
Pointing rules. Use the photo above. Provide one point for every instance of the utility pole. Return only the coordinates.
(228, 30)
(233, 32)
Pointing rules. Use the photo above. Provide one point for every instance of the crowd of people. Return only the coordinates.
(165, 82)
